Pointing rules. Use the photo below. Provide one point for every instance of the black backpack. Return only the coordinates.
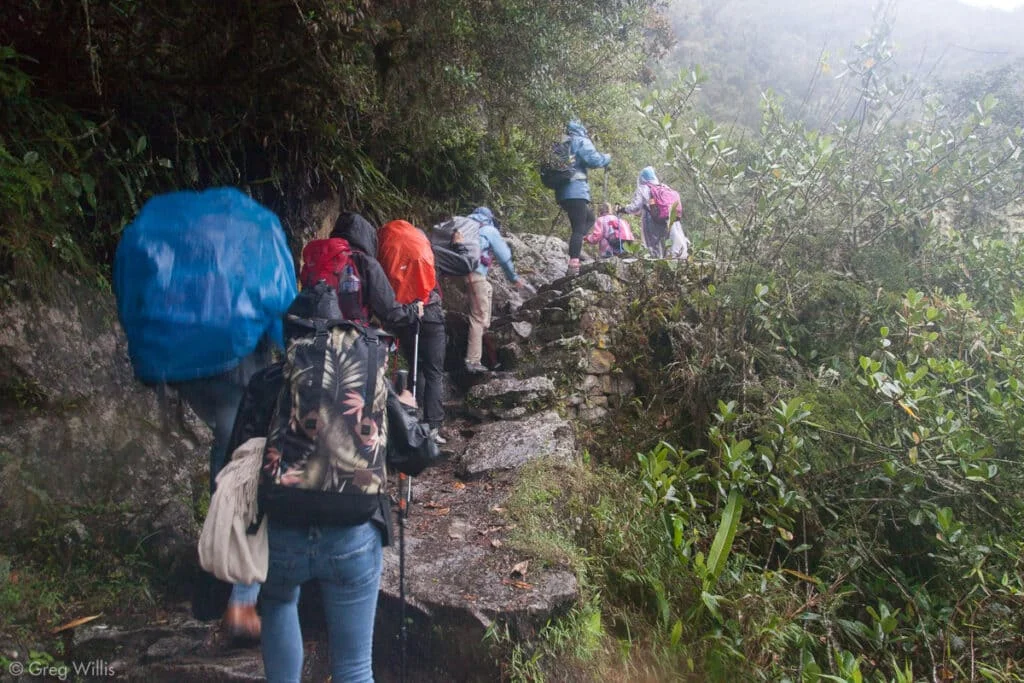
(441, 236)
(324, 461)
(560, 166)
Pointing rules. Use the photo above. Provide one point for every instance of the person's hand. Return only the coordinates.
(407, 399)
(419, 309)
(457, 237)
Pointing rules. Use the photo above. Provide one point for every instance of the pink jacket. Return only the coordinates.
(605, 227)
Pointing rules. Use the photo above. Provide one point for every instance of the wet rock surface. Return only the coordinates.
(79, 430)
(460, 575)
(509, 398)
(510, 444)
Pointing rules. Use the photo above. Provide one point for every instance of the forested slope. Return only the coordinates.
(403, 108)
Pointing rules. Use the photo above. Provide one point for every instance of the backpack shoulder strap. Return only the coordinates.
(372, 366)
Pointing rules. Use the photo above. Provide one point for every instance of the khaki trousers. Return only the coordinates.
(479, 291)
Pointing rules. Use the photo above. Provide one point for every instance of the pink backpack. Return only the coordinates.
(614, 228)
(663, 198)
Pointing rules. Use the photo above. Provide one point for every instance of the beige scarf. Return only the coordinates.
(225, 549)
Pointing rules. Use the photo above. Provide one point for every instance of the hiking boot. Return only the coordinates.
(476, 368)
(242, 624)
(435, 433)
(574, 267)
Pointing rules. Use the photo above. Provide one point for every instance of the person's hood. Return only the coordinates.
(574, 127)
(482, 214)
(647, 175)
(359, 232)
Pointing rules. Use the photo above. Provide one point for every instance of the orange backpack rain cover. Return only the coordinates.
(404, 252)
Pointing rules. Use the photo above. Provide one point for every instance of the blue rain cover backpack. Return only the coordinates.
(200, 277)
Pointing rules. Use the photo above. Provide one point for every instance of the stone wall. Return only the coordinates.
(565, 334)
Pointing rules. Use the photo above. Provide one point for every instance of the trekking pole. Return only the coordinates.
(415, 360)
(403, 513)
(415, 381)
(403, 631)
(605, 184)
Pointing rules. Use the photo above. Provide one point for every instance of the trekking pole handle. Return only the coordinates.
(401, 381)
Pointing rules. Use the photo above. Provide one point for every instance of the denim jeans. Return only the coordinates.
(215, 400)
(347, 562)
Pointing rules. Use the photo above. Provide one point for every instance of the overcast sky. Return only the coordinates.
(1000, 4)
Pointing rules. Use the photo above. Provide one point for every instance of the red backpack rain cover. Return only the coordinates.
(325, 260)
(405, 255)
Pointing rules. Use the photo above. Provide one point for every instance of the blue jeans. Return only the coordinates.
(215, 400)
(347, 561)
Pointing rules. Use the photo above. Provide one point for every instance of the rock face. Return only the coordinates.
(508, 445)
(460, 578)
(79, 430)
(509, 398)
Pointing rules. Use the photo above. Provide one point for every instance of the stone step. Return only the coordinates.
(459, 575)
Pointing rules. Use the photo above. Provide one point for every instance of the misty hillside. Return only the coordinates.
(748, 46)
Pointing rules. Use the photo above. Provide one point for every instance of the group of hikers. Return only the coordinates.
(655, 202)
(306, 374)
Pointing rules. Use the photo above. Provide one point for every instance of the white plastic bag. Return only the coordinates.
(680, 244)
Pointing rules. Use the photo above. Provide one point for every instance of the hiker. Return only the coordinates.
(610, 233)
(680, 243)
(215, 400)
(406, 254)
(380, 297)
(574, 196)
(202, 279)
(323, 491)
(653, 201)
(375, 298)
(492, 247)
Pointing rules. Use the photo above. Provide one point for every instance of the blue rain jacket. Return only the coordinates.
(200, 278)
(587, 157)
(492, 241)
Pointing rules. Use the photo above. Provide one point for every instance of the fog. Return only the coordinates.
(750, 46)
(1006, 5)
